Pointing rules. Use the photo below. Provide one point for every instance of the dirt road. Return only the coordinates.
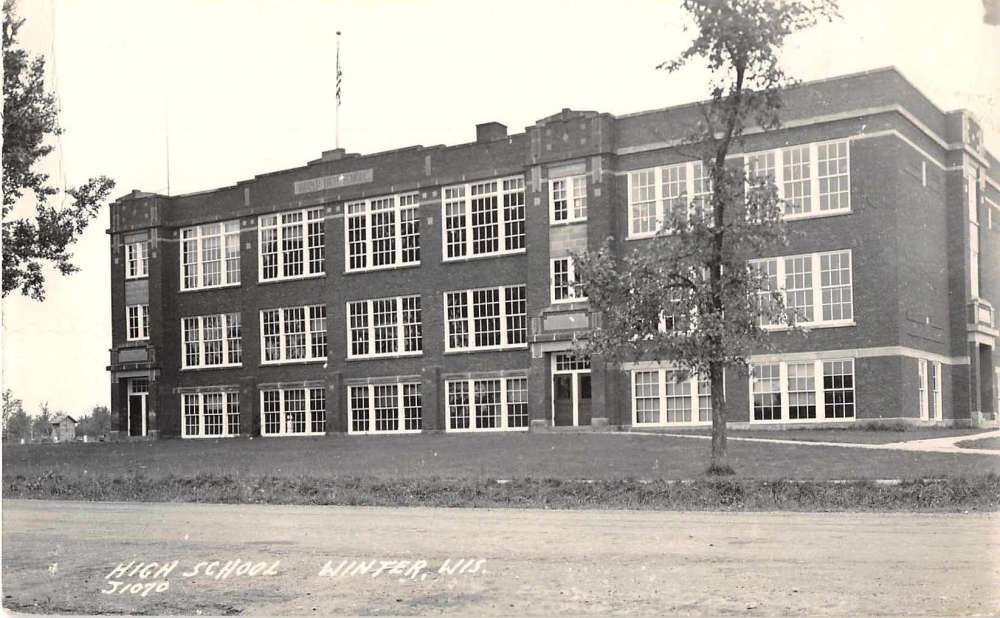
(60, 556)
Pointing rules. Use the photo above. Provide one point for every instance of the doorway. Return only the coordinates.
(138, 392)
(571, 390)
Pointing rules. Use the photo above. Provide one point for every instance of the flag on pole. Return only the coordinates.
(339, 72)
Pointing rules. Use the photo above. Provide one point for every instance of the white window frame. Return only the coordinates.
(362, 209)
(819, 386)
(504, 403)
(137, 259)
(466, 199)
(400, 328)
(471, 320)
(283, 411)
(226, 324)
(574, 294)
(198, 236)
(694, 380)
(282, 332)
(659, 200)
(817, 289)
(571, 185)
(139, 313)
(309, 215)
(370, 411)
(814, 179)
(227, 398)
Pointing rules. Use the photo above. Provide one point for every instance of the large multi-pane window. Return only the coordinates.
(293, 334)
(382, 232)
(210, 414)
(568, 199)
(493, 404)
(293, 411)
(385, 408)
(137, 259)
(137, 322)
(486, 319)
(817, 287)
(658, 195)
(210, 255)
(211, 341)
(291, 245)
(670, 397)
(564, 284)
(384, 327)
(483, 218)
(812, 179)
(806, 390)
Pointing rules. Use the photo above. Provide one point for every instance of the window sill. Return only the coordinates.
(370, 357)
(672, 425)
(293, 435)
(816, 215)
(811, 326)
(397, 432)
(378, 269)
(296, 278)
(304, 361)
(142, 340)
(802, 421)
(489, 349)
(210, 367)
(484, 256)
(218, 436)
(567, 302)
(136, 278)
(565, 223)
(487, 430)
(209, 287)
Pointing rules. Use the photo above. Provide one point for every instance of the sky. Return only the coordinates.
(242, 87)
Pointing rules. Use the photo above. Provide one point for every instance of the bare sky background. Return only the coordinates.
(247, 87)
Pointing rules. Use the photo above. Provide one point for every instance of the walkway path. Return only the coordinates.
(932, 445)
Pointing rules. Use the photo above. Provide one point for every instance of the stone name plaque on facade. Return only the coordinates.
(335, 181)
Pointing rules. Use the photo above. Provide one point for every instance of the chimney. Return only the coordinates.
(332, 155)
(490, 131)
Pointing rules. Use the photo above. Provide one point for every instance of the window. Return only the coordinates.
(670, 397)
(496, 404)
(211, 341)
(293, 411)
(815, 280)
(564, 285)
(807, 390)
(210, 414)
(386, 408)
(383, 232)
(485, 218)
(293, 334)
(486, 319)
(658, 193)
(137, 259)
(812, 179)
(210, 255)
(929, 378)
(137, 327)
(384, 327)
(568, 200)
(292, 245)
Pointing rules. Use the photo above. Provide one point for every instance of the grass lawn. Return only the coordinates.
(856, 435)
(990, 443)
(599, 456)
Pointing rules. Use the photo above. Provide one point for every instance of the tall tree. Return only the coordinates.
(30, 120)
(97, 423)
(691, 294)
(16, 422)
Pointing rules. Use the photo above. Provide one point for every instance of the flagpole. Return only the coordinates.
(337, 116)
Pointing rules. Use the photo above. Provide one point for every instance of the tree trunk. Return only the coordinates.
(720, 461)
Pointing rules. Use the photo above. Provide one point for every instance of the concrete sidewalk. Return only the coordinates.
(931, 445)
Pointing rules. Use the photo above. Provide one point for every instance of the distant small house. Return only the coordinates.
(64, 428)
